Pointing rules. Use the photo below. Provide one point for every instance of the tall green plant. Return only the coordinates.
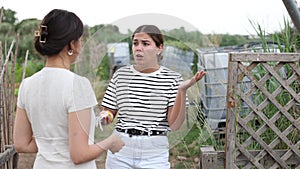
(261, 33)
(287, 38)
(287, 42)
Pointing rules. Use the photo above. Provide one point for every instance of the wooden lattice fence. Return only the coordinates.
(263, 111)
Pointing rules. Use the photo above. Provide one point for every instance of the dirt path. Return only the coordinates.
(26, 161)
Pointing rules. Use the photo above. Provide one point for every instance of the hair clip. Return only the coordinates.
(43, 29)
(38, 33)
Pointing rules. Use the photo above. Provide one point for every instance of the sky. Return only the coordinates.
(206, 16)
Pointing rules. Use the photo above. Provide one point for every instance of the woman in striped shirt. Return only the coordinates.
(150, 100)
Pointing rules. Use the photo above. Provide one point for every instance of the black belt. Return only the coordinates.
(135, 132)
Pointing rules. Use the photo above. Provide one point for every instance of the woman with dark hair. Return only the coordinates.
(150, 100)
(54, 116)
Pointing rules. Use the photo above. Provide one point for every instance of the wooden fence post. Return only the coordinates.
(230, 113)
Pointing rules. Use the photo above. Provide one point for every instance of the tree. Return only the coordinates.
(231, 40)
(26, 29)
(9, 16)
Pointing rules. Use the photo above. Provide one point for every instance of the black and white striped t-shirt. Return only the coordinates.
(142, 99)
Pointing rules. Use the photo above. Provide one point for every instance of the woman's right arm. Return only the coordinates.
(24, 141)
(80, 150)
(176, 114)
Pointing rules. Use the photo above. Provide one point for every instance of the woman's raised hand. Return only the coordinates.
(188, 83)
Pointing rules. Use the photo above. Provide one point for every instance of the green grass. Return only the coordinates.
(186, 154)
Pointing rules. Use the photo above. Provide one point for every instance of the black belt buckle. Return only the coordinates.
(132, 132)
(135, 132)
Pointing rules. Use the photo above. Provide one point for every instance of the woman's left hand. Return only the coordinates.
(188, 83)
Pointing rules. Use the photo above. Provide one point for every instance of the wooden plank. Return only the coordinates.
(296, 67)
(230, 114)
(265, 57)
(243, 160)
(293, 78)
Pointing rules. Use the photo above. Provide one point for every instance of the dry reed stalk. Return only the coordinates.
(12, 98)
(1, 105)
(6, 60)
(5, 94)
(6, 103)
(25, 65)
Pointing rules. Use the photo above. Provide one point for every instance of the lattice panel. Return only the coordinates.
(263, 111)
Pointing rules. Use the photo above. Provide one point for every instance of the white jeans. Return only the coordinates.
(140, 152)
